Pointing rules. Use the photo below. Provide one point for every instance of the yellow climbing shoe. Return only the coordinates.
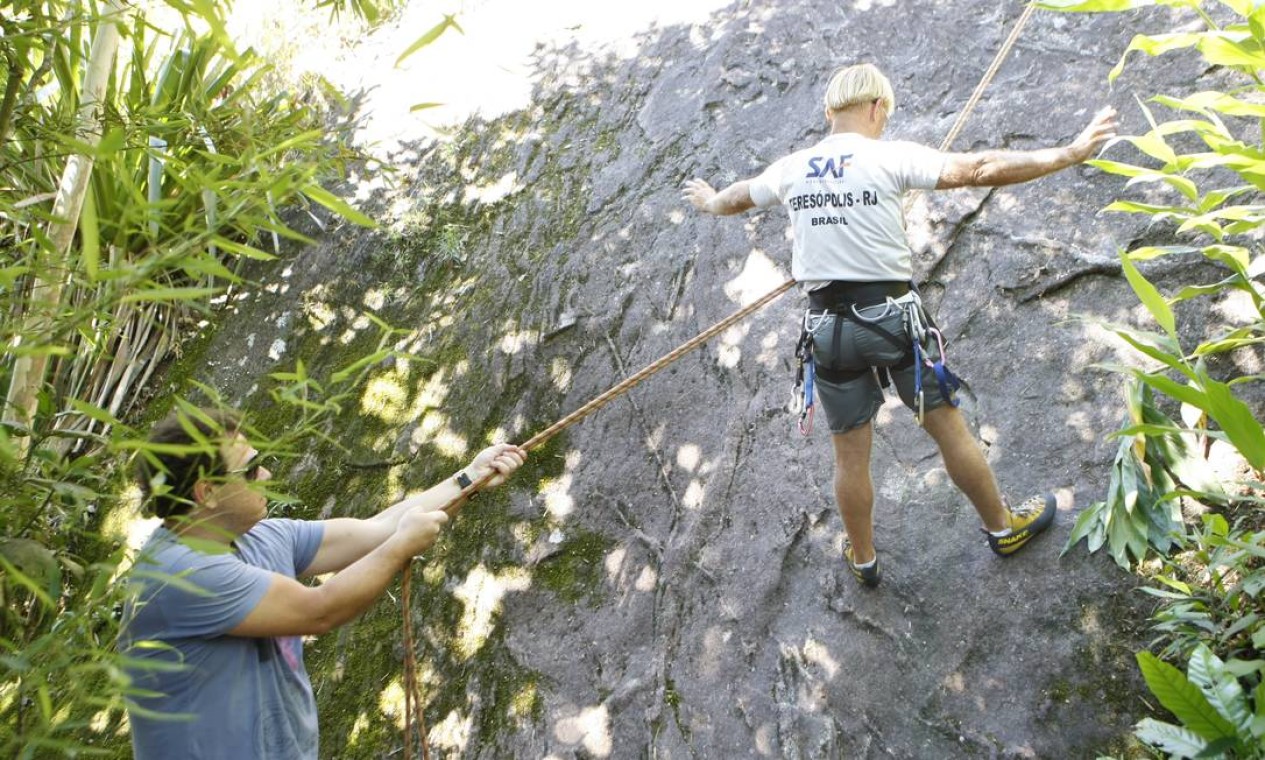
(1026, 521)
(866, 576)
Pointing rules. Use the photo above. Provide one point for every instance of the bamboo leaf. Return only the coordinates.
(337, 205)
(449, 22)
(242, 249)
(169, 294)
(1153, 145)
(343, 374)
(89, 235)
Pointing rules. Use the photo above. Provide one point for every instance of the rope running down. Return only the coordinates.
(413, 709)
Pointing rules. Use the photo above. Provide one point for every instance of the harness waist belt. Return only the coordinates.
(841, 295)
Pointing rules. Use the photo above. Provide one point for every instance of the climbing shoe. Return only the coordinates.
(1026, 521)
(866, 576)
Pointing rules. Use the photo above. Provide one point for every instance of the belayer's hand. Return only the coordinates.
(501, 458)
(418, 528)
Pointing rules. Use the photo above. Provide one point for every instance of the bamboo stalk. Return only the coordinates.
(46, 293)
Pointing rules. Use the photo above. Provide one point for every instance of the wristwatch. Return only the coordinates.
(464, 482)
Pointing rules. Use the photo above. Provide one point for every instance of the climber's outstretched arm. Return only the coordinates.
(992, 168)
(732, 200)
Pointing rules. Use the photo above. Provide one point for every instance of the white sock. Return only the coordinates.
(864, 565)
(1000, 533)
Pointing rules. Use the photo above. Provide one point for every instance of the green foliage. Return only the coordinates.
(1155, 464)
(1219, 221)
(1210, 160)
(195, 164)
(1211, 593)
(1219, 718)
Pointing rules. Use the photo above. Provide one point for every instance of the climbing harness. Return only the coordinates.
(414, 719)
(916, 336)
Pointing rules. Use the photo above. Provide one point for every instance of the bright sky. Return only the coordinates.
(485, 70)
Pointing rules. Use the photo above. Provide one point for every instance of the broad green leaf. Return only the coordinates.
(1107, 6)
(9, 275)
(1153, 45)
(1149, 296)
(1183, 393)
(1153, 145)
(94, 412)
(1235, 257)
(1119, 168)
(449, 22)
(1161, 353)
(1183, 698)
(1221, 688)
(1181, 184)
(112, 142)
(35, 561)
(1177, 741)
(304, 139)
(1214, 198)
(1237, 420)
(1134, 207)
(1241, 668)
(206, 264)
(38, 589)
(1084, 524)
(1227, 48)
(1241, 7)
(1146, 253)
(1226, 345)
(1212, 100)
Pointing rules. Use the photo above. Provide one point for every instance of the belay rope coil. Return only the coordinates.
(414, 718)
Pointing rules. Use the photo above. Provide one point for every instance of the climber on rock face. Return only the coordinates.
(215, 624)
(865, 327)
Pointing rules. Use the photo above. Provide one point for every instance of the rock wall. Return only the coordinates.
(665, 580)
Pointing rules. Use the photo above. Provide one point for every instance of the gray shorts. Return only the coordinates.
(854, 402)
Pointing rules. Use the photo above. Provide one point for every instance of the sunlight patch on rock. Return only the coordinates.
(590, 728)
(481, 593)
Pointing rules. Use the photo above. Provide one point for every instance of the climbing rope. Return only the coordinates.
(414, 719)
(412, 694)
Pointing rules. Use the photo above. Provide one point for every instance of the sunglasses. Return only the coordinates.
(251, 473)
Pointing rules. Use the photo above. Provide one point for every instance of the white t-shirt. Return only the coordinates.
(844, 199)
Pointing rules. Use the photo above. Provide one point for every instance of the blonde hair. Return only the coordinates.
(861, 83)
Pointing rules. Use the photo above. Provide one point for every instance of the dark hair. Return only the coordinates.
(167, 478)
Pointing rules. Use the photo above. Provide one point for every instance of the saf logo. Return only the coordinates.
(821, 166)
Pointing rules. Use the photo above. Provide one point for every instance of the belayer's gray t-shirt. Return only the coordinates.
(200, 692)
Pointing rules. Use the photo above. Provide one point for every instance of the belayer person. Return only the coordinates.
(215, 624)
